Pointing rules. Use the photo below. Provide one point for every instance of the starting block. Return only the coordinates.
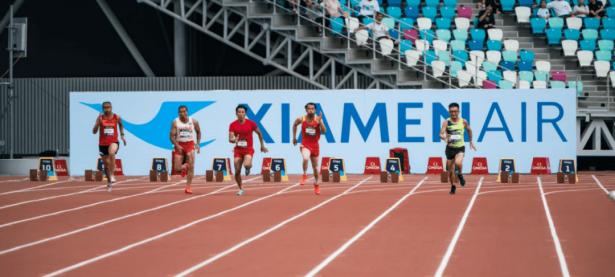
(277, 176)
(508, 177)
(43, 177)
(540, 165)
(384, 177)
(479, 166)
(89, 175)
(266, 177)
(395, 177)
(153, 176)
(324, 175)
(404, 159)
(98, 176)
(435, 165)
(163, 176)
(222, 165)
(209, 175)
(336, 177)
(33, 175)
(567, 169)
(219, 176)
(508, 166)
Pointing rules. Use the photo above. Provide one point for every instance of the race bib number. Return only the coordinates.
(185, 134)
(310, 131)
(109, 131)
(242, 143)
(455, 138)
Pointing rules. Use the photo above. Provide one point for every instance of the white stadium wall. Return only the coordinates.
(519, 124)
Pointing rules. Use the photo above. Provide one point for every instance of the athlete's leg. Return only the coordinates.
(190, 172)
(314, 160)
(305, 154)
(238, 165)
(458, 166)
(247, 163)
(111, 159)
(178, 160)
(450, 167)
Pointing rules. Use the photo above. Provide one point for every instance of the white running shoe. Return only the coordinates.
(112, 179)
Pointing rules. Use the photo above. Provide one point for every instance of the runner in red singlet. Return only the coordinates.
(108, 143)
(311, 128)
(240, 134)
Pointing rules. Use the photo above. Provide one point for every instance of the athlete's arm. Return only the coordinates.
(295, 124)
(443, 135)
(197, 129)
(173, 140)
(260, 139)
(469, 130)
(96, 125)
(323, 129)
(231, 135)
(121, 125)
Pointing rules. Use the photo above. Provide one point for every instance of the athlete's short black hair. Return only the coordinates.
(453, 105)
(182, 107)
(241, 106)
(106, 102)
(310, 103)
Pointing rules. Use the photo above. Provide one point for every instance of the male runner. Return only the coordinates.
(183, 138)
(452, 132)
(311, 128)
(240, 134)
(108, 143)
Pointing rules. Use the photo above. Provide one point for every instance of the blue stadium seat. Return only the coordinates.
(508, 5)
(460, 55)
(337, 25)
(526, 76)
(541, 75)
(428, 35)
(605, 45)
(458, 45)
(367, 20)
(607, 34)
(448, 12)
(558, 85)
(538, 25)
(394, 12)
(590, 34)
(460, 34)
(406, 23)
(443, 34)
(413, 3)
(556, 23)
(477, 34)
(526, 3)
(610, 12)
(450, 3)
(412, 12)
(589, 45)
(525, 66)
(505, 84)
(394, 34)
(455, 67)
(404, 45)
(613, 66)
(608, 23)
(432, 3)
(604, 56)
(443, 23)
(495, 75)
(489, 66)
(506, 65)
(591, 23)
(430, 56)
(572, 34)
(430, 12)
(394, 3)
(475, 45)
(444, 56)
(526, 56)
(578, 86)
(554, 36)
(494, 45)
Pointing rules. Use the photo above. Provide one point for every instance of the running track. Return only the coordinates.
(356, 228)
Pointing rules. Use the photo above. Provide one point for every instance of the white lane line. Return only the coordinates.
(267, 231)
(41, 186)
(4, 225)
(14, 180)
(569, 190)
(556, 242)
(167, 233)
(352, 240)
(600, 184)
(453, 243)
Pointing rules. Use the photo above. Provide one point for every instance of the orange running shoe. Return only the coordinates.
(303, 179)
(188, 190)
(317, 189)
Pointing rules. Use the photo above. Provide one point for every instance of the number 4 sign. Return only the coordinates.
(393, 165)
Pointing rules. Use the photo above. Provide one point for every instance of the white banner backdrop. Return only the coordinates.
(518, 124)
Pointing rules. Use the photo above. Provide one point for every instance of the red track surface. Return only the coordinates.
(356, 228)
